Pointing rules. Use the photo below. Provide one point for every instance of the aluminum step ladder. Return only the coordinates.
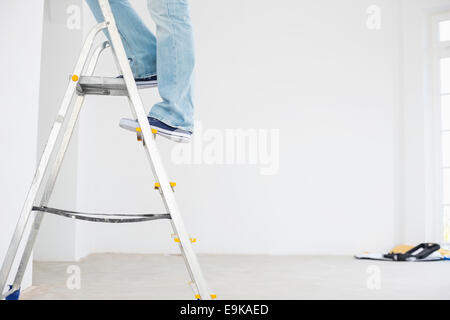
(82, 83)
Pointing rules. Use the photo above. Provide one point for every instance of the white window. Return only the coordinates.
(444, 30)
(441, 54)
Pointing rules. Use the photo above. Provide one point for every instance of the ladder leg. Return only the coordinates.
(26, 253)
(46, 196)
(186, 248)
(186, 261)
(152, 152)
(55, 171)
(180, 244)
(30, 241)
(41, 171)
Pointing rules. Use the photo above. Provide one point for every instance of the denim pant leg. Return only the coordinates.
(138, 40)
(175, 62)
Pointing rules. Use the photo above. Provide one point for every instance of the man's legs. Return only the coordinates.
(170, 55)
(175, 63)
(139, 42)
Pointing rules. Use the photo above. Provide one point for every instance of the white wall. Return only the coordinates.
(351, 106)
(21, 33)
(61, 45)
(311, 69)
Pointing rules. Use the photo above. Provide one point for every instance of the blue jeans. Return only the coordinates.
(169, 55)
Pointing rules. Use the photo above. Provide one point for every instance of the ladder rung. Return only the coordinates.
(104, 217)
(107, 86)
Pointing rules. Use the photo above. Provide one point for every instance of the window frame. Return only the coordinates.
(439, 50)
(436, 20)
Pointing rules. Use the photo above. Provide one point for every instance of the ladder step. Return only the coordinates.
(104, 217)
(106, 86)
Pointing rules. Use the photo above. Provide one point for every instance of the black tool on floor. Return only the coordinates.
(419, 252)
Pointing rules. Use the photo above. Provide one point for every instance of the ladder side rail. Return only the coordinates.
(186, 262)
(152, 150)
(44, 161)
(55, 171)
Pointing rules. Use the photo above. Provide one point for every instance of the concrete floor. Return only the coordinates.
(128, 276)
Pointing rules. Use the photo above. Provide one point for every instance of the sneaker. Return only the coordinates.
(143, 82)
(171, 133)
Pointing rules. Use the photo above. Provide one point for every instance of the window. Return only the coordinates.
(441, 54)
(444, 99)
(444, 31)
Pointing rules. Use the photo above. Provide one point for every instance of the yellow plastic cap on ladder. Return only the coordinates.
(198, 297)
(139, 134)
(193, 240)
(75, 78)
(158, 185)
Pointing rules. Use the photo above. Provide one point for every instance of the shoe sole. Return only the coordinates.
(146, 84)
(141, 84)
(132, 125)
